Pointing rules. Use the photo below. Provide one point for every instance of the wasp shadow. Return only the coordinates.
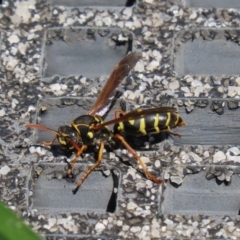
(139, 142)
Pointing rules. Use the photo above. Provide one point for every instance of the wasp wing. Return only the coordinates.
(138, 113)
(121, 70)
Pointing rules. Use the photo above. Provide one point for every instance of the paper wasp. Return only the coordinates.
(90, 129)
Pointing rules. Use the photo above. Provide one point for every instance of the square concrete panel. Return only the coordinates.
(212, 3)
(53, 195)
(206, 126)
(207, 53)
(94, 3)
(84, 51)
(197, 195)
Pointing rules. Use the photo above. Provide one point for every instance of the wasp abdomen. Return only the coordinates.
(154, 123)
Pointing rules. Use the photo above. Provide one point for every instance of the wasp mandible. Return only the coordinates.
(90, 129)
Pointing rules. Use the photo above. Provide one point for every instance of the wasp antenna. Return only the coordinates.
(41, 127)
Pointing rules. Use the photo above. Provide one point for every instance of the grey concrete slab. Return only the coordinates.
(212, 3)
(90, 52)
(53, 195)
(197, 195)
(207, 127)
(207, 57)
(95, 3)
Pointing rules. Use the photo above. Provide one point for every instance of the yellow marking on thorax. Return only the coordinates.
(142, 127)
(90, 135)
(76, 125)
(98, 119)
(82, 124)
(131, 122)
(156, 122)
(120, 127)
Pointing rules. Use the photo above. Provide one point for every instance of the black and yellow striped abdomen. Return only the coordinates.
(152, 123)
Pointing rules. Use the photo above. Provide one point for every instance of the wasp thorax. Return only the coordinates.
(66, 134)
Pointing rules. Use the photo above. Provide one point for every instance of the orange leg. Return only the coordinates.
(85, 175)
(48, 144)
(174, 134)
(72, 163)
(133, 152)
(118, 112)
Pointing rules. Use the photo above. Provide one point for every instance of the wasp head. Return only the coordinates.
(68, 137)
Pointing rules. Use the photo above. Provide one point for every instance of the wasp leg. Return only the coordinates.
(48, 144)
(80, 150)
(174, 134)
(133, 152)
(85, 175)
(118, 113)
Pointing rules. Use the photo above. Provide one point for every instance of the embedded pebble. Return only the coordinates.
(176, 179)
(11, 63)
(119, 223)
(157, 163)
(168, 222)
(152, 65)
(99, 227)
(193, 15)
(4, 170)
(2, 112)
(135, 229)
(51, 223)
(237, 80)
(234, 150)
(127, 13)
(221, 177)
(228, 176)
(205, 221)
(195, 157)
(206, 154)
(107, 172)
(13, 39)
(125, 227)
(41, 151)
(233, 104)
(31, 108)
(174, 85)
(131, 205)
(232, 158)
(32, 149)
(22, 11)
(148, 1)
(145, 159)
(233, 91)
(22, 48)
(219, 156)
(166, 175)
(139, 67)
